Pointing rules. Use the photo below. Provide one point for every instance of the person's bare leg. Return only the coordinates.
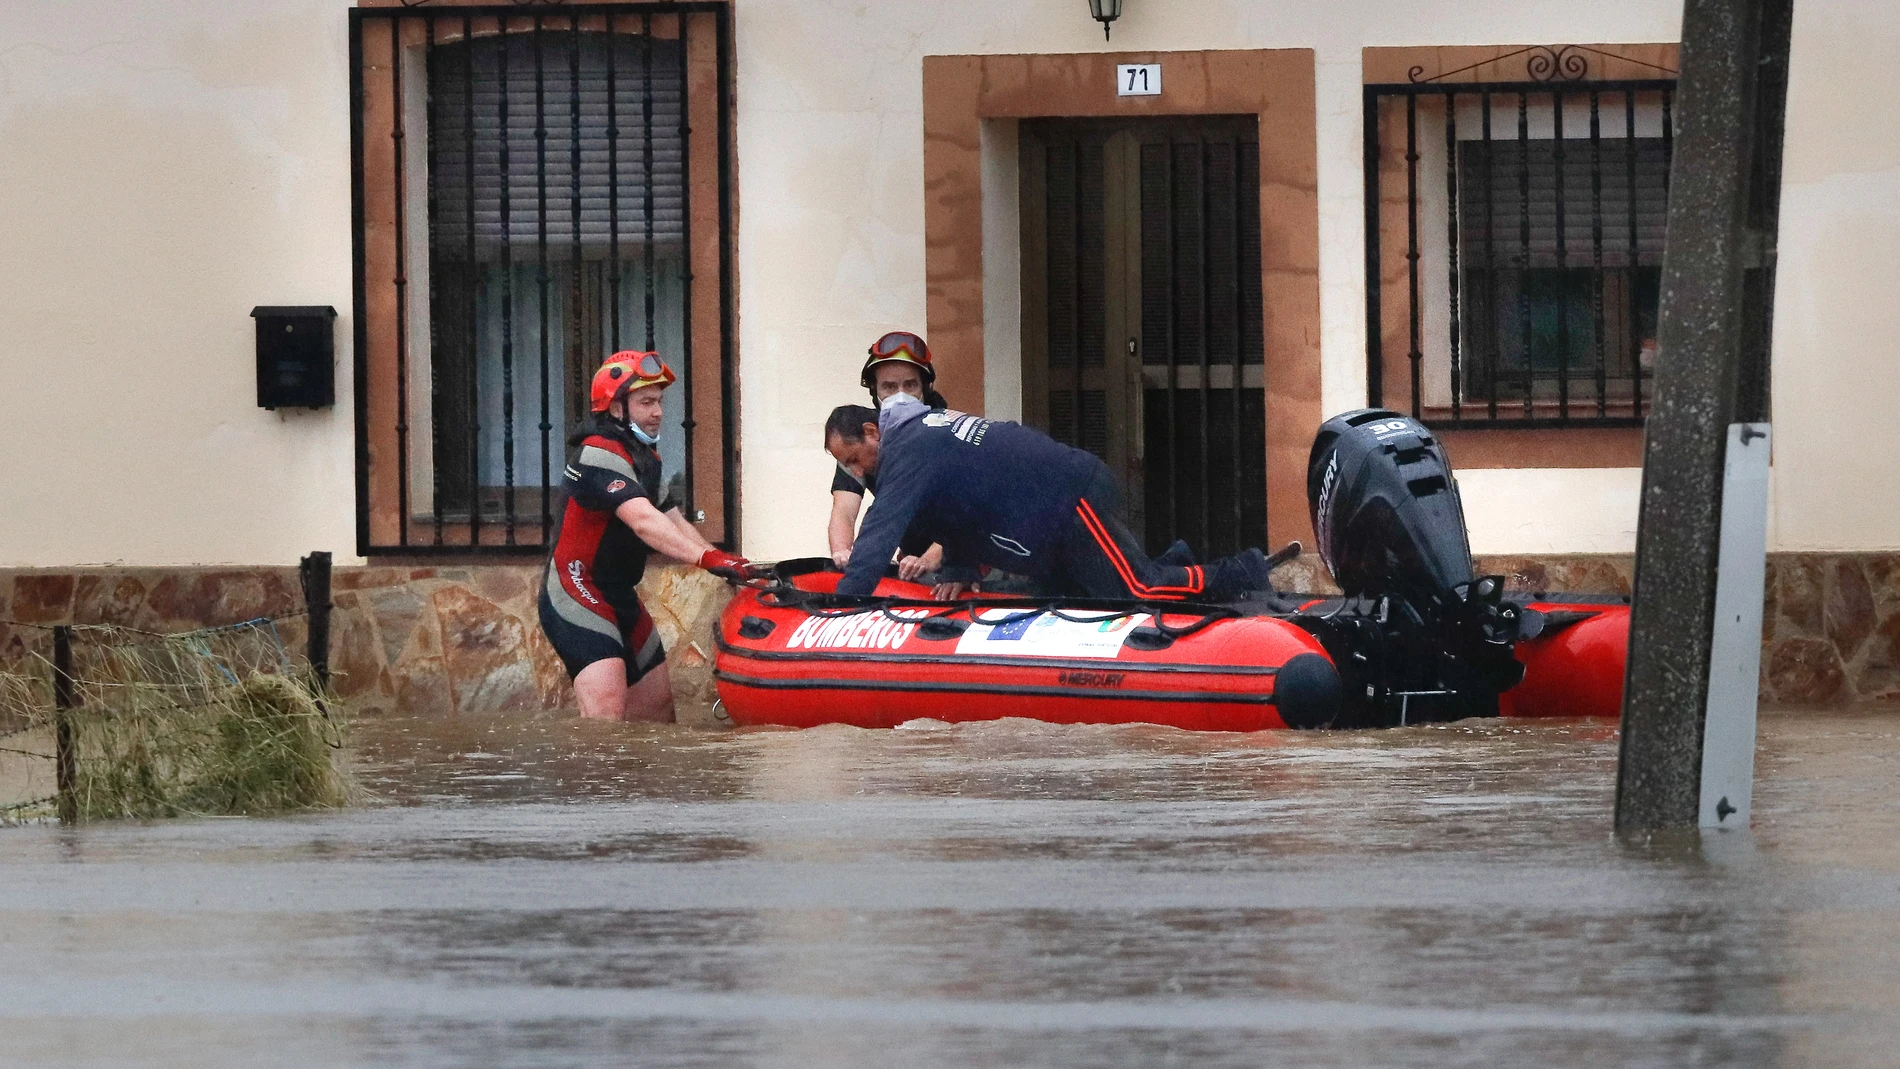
(601, 688)
(652, 697)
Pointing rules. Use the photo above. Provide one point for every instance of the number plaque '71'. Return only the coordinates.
(1138, 80)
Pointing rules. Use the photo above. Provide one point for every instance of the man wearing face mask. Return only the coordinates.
(898, 363)
(589, 608)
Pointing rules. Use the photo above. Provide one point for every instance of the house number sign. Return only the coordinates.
(1138, 80)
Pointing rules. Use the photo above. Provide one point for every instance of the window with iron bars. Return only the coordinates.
(535, 189)
(1514, 248)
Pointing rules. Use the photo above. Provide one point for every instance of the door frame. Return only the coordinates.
(1275, 85)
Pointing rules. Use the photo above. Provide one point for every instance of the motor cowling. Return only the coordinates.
(1385, 508)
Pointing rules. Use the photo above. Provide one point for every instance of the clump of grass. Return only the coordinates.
(191, 725)
(272, 753)
(262, 746)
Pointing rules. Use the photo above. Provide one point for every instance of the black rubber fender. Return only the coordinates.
(1307, 692)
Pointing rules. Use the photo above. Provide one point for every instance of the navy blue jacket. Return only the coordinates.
(991, 492)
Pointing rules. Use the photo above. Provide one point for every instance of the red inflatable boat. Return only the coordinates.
(788, 658)
(1416, 637)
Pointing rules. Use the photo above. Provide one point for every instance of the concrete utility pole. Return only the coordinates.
(1688, 720)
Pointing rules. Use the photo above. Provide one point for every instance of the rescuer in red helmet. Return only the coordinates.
(589, 608)
(898, 362)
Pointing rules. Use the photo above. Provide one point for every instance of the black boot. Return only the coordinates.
(1246, 572)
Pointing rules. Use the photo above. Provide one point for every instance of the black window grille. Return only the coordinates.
(535, 188)
(1514, 240)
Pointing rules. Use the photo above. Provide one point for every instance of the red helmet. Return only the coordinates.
(628, 370)
(899, 345)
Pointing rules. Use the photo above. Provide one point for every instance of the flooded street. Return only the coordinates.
(548, 892)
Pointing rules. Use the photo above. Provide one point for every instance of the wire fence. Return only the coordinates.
(106, 721)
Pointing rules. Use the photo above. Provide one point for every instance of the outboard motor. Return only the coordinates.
(1420, 638)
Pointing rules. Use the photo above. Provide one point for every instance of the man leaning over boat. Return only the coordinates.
(1000, 495)
(897, 363)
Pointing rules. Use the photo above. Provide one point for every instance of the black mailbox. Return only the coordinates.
(296, 355)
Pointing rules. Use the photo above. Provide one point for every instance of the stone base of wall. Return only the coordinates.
(1831, 629)
(430, 640)
(465, 639)
(1576, 574)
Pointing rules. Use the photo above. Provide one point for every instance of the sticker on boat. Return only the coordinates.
(1045, 635)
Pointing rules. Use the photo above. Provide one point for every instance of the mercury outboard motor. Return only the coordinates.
(1419, 637)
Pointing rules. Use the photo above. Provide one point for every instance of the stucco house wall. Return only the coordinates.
(170, 165)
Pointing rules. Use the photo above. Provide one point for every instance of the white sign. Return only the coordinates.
(1138, 80)
(1046, 635)
(1728, 737)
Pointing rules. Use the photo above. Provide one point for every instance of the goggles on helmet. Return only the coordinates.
(628, 370)
(900, 345)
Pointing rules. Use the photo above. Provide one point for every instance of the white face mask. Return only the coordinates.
(900, 397)
(634, 429)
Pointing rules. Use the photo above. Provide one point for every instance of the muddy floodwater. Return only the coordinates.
(547, 892)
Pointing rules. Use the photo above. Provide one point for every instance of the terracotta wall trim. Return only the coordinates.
(1573, 447)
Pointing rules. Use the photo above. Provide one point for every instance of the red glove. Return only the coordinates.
(719, 562)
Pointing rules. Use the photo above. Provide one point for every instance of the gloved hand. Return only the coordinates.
(725, 565)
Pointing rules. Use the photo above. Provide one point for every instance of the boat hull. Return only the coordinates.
(784, 662)
(782, 665)
(1575, 669)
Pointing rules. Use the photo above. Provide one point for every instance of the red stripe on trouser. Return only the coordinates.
(1108, 548)
(1116, 557)
(1099, 531)
(1196, 582)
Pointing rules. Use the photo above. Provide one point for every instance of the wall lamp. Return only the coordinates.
(1105, 12)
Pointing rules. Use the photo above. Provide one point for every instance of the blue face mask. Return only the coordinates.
(645, 438)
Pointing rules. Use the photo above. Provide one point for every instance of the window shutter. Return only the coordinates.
(1494, 171)
(614, 176)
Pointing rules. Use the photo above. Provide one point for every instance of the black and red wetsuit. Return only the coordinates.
(589, 607)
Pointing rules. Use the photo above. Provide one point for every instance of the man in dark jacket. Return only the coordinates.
(1003, 495)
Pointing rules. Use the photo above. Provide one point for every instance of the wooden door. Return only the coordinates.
(1142, 330)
